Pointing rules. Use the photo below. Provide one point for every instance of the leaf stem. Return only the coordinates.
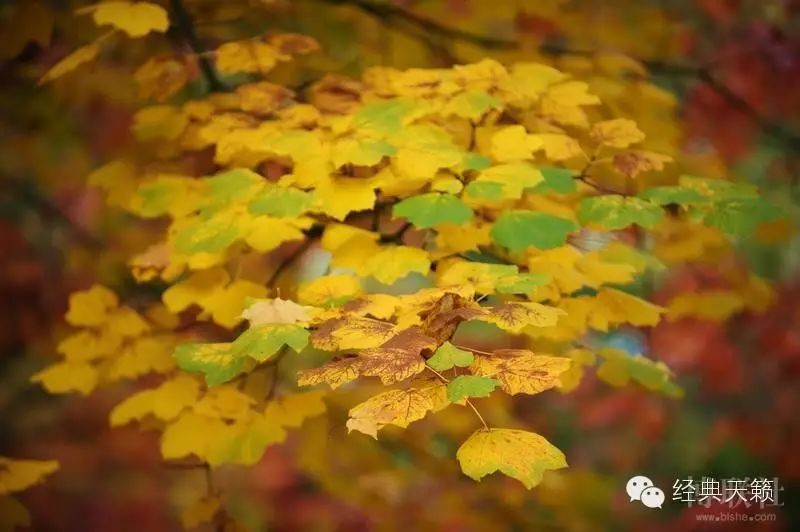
(469, 403)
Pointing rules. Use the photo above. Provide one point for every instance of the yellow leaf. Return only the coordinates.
(159, 122)
(161, 77)
(452, 239)
(397, 407)
(226, 305)
(422, 150)
(521, 371)
(632, 163)
(329, 289)
(522, 455)
(82, 55)
(612, 307)
(225, 402)
(276, 311)
(249, 56)
(528, 81)
(201, 511)
(68, 377)
(87, 345)
(91, 307)
(381, 306)
(392, 263)
(397, 359)
(190, 434)
(339, 196)
(127, 323)
(17, 475)
(293, 409)
(265, 233)
(512, 143)
(144, 355)
(557, 147)
(515, 316)
(334, 373)
(134, 18)
(263, 97)
(617, 133)
(117, 179)
(164, 402)
(199, 288)
(351, 332)
(244, 441)
(713, 305)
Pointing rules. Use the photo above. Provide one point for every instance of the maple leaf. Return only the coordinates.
(521, 371)
(17, 475)
(137, 19)
(465, 386)
(84, 54)
(276, 311)
(335, 373)
(515, 316)
(399, 358)
(448, 356)
(164, 402)
(617, 133)
(351, 333)
(397, 407)
(522, 455)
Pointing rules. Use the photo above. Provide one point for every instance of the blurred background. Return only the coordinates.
(714, 83)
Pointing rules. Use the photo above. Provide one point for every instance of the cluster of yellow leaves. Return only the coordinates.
(114, 342)
(17, 475)
(478, 163)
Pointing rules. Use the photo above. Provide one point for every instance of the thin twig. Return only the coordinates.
(469, 403)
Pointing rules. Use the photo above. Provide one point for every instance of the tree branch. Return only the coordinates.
(184, 24)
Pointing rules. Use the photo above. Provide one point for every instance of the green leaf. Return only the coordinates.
(618, 212)
(673, 195)
(218, 362)
(475, 161)
(234, 185)
(522, 283)
(517, 230)
(448, 356)
(618, 368)
(472, 104)
(484, 190)
(429, 210)
(470, 386)
(740, 217)
(558, 180)
(209, 232)
(264, 341)
(283, 202)
(223, 361)
(384, 117)
(718, 189)
(157, 196)
(362, 152)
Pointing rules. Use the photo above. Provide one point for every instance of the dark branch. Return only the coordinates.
(185, 26)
